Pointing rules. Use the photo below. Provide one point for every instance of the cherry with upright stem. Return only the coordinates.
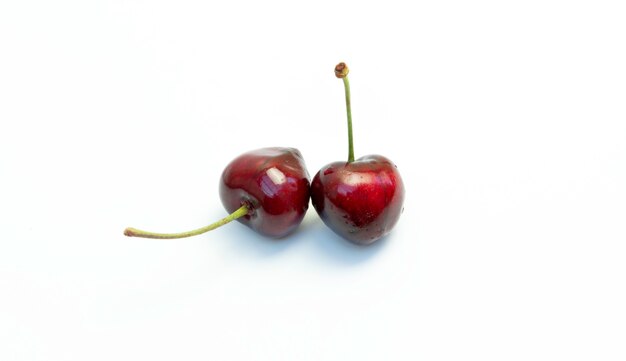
(361, 199)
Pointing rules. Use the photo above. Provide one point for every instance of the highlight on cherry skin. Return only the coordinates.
(266, 189)
(361, 200)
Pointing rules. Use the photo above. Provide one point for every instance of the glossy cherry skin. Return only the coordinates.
(274, 183)
(361, 200)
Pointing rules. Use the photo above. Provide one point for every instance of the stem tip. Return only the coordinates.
(341, 70)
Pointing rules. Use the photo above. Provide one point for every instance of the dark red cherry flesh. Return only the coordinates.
(266, 189)
(274, 183)
(361, 200)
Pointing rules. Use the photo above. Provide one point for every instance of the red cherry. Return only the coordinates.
(266, 189)
(274, 183)
(359, 200)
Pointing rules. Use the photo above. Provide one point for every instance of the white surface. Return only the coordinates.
(507, 121)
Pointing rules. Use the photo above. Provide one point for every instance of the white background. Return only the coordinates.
(507, 121)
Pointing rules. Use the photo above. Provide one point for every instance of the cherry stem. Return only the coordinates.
(341, 71)
(133, 232)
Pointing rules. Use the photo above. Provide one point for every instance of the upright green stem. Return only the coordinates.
(133, 232)
(346, 85)
(341, 71)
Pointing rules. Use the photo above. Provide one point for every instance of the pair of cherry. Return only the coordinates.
(268, 190)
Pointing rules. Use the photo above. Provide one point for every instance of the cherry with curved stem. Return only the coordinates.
(267, 189)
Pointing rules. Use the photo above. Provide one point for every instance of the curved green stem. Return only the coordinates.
(346, 85)
(133, 232)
